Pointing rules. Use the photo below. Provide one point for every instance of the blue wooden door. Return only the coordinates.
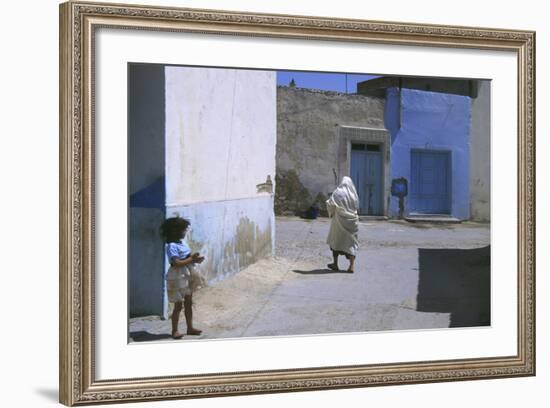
(366, 173)
(430, 182)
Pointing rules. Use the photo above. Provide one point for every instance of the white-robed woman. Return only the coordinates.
(344, 226)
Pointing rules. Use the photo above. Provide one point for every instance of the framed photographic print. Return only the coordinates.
(257, 203)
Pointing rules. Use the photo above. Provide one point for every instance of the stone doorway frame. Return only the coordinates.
(347, 135)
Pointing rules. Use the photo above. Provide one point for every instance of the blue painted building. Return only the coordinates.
(429, 122)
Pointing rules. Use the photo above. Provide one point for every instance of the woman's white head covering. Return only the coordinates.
(345, 196)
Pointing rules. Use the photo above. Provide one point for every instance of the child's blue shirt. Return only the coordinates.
(178, 250)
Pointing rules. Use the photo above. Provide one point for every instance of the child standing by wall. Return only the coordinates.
(179, 279)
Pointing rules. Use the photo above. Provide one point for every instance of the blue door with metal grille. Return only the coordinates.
(430, 187)
(366, 173)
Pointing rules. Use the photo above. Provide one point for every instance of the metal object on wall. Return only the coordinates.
(400, 189)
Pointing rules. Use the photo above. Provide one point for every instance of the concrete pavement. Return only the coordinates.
(407, 276)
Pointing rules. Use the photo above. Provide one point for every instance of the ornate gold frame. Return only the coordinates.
(77, 24)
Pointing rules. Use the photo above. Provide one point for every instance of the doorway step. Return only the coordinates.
(432, 218)
(373, 218)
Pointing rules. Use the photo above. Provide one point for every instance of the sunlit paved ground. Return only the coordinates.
(407, 276)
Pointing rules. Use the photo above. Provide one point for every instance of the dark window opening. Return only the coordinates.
(367, 147)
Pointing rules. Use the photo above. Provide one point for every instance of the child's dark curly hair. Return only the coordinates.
(172, 228)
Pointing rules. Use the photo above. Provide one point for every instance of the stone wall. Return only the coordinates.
(309, 165)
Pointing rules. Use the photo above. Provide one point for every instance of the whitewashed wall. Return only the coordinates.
(220, 133)
(220, 144)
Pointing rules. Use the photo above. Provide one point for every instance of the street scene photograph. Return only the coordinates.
(283, 203)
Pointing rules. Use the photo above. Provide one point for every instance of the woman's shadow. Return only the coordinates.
(324, 271)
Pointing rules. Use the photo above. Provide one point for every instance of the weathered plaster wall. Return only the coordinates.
(435, 121)
(231, 234)
(220, 133)
(220, 144)
(146, 188)
(480, 154)
(307, 135)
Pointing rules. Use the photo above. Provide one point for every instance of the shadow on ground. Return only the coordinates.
(318, 271)
(146, 336)
(456, 281)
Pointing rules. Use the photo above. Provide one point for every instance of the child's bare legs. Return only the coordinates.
(188, 311)
(175, 319)
(351, 259)
(334, 264)
(188, 303)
